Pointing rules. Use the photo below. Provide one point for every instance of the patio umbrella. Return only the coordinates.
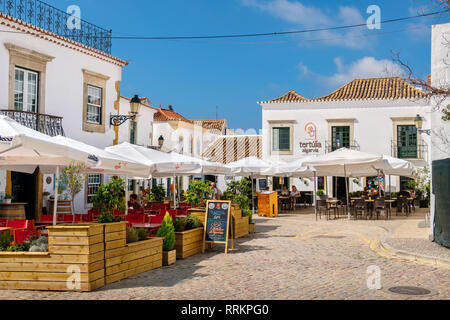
(345, 163)
(23, 150)
(253, 167)
(162, 164)
(295, 169)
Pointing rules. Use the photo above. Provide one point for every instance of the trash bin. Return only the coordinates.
(441, 190)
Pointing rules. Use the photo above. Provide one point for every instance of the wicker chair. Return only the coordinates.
(322, 206)
(360, 206)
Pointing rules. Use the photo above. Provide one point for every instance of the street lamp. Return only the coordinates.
(135, 106)
(419, 123)
(161, 141)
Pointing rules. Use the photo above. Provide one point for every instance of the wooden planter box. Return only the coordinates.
(169, 257)
(239, 223)
(132, 259)
(71, 249)
(188, 243)
(98, 252)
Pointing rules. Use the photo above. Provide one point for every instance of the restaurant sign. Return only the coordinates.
(310, 144)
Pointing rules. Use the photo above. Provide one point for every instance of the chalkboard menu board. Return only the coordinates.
(217, 224)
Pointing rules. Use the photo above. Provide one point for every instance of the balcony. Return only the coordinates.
(47, 17)
(331, 146)
(49, 125)
(418, 152)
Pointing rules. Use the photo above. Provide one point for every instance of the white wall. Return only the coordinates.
(440, 77)
(373, 127)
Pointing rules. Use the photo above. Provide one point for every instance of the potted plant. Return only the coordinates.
(188, 236)
(109, 197)
(73, 178)
(167, 231)
(422, 187)
(8, 198)
(197, 195)
(321, 195)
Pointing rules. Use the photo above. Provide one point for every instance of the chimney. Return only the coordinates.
(170, 108)
(429, 80)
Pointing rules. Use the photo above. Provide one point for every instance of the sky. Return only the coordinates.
(198, 77)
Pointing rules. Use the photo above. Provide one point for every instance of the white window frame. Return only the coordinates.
(25, 90)
(282, 124)
(99, 107)
(89, 185)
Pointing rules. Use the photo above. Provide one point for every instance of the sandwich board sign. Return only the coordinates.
(218, 224)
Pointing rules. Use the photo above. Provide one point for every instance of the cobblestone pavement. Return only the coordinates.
(291, 257)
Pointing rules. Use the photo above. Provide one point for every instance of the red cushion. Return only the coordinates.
(3, 223)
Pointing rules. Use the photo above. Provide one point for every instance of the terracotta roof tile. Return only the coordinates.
(291, 96)
(375, 89)
(218, 125)
(169, 115)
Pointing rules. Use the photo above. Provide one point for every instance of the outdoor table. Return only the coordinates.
(4, 230)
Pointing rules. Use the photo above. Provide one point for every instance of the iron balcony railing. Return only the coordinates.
(410, 152)
(49, 125)
(331, 146)
(47, 17)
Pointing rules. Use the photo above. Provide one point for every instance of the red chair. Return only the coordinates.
(155, 223)
(173, 214)
(46, 218)
(3, 223)
(21, 230)
(135, 211)
(182, 212)
(94, 214)
(117, 213)
(137, 219)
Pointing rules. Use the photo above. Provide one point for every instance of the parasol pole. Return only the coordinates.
(55, 203)
(315, 193)
(346, 190)
(127, 195)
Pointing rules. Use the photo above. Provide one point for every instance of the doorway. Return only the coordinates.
(339, 189)
(24, 189)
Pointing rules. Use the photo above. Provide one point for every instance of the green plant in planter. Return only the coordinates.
(132, 235)
(198, 193)
(8, 196)
(5, 241)
(142, 234)
(167, 231)
(73, 177)
(320, 193)
(109, 197)
(156, 194)
(189, 223)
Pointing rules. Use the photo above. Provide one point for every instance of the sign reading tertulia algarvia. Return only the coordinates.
(311, 147)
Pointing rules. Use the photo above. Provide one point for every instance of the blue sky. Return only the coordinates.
(198, 75)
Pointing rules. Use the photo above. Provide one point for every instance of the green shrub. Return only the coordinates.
(142, 234)
(167, 231)
(132, 235)
(108, 217)
(110, 196)
(5, 241)
(198, 193)
(179, 224)
(192, 222)
(320, 193)
(21, 247)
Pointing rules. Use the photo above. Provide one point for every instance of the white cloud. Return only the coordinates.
(367, 67)
(309, 17)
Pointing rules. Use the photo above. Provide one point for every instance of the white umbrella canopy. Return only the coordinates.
(106, 162)
(162, 164)
(295, 169)
(207, 167)
(346, 163)
(251, 166)
(398, 167)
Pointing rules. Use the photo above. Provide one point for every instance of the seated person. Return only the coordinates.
(365, 192)
(412, 193)
(295, 194)
(403, 194)
(134, 202)
(284, 191)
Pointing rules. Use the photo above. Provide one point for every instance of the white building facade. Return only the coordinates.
(370, 115)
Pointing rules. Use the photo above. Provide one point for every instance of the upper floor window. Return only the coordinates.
(181, 145)
(94, 104)
(281, 138)
(340, 137)
(25, 90)
(191, 146)
(133, 126)
(407, 142)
